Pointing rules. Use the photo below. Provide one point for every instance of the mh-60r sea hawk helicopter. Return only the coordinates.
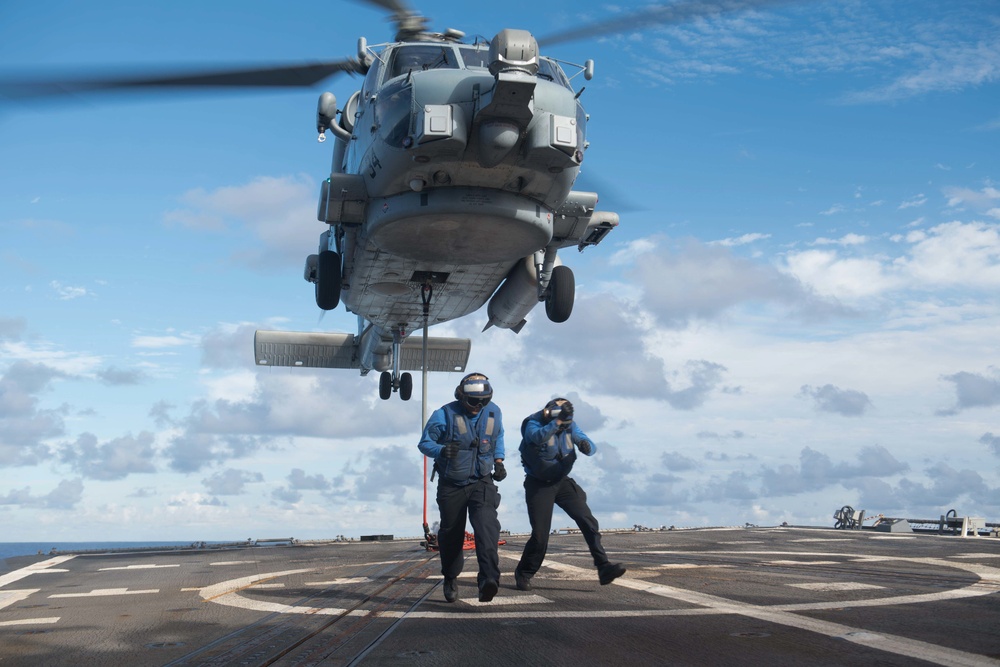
(452, 178)
(451, 185)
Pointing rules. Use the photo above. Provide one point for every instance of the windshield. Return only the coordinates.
(550, 70)
(406, 59)
(475, 57)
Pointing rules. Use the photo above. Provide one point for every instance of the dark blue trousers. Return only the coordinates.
(541, 497)
(480, 501)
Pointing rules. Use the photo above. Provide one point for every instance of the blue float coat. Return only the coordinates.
(547, 454)
(478, 449)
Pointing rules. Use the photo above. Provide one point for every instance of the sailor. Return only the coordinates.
(465, 439)
(549, 442)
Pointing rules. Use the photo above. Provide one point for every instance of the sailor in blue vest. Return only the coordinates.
(549, 442)
(465, 439)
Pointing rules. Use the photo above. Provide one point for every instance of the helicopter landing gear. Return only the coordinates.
(561, 293)
(386, 385)
(389, 382)
(328, 278)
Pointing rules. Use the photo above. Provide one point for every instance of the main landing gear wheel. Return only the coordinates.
(562, 291)
(405, 386)
(328, 278)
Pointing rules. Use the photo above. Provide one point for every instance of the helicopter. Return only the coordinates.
(450, 188)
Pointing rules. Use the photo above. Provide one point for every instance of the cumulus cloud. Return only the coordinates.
(816, 471)
(114, 459)
(698, 281)
(983, 200)
(387, 473)
(230, 347)
(65, 496)
(955, 253)
(278, 212)
(12, 328)
(231, 482)
(991, 441)
(737, 486)
(24, 425)
(279, 404)
(952, 254)
(846, 402)
(300, 481)
(118, 376)
(190, 452)
(579, 351)
(947, 487)
(677, 462)
(973, 390)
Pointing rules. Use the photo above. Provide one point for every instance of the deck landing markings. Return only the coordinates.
(103, 592)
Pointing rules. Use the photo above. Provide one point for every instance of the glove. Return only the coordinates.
(450, 450)
(585, 447)
(499, 472)
(567, 412)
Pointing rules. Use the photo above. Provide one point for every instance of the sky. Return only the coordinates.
(799, 310)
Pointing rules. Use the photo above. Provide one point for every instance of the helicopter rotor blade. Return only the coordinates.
(286, 76)
(410, 24)
(661, 14)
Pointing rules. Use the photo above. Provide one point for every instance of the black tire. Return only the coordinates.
(328, 278)
(562, 292)
(405, 386)
(385, 385)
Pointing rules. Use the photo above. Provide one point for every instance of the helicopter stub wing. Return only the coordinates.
(335, 350)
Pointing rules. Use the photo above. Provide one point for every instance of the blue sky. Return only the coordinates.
(798, 311)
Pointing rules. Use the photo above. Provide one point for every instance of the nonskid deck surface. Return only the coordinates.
(753, 596)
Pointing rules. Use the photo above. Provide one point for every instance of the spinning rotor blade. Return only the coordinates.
(288, 76)
(409, 23)
(663, 14)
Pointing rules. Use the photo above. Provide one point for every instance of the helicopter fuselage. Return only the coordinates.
(452, 175)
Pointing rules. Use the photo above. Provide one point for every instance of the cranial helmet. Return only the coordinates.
(474, 391)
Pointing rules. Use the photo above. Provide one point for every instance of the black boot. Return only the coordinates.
(610, 572)
(450, 589)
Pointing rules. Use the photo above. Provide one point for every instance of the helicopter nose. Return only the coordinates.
(496, 139)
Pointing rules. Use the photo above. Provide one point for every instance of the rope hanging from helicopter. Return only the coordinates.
(426, 291)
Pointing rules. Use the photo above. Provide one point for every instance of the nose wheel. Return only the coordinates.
(403, 384)
(389, 382)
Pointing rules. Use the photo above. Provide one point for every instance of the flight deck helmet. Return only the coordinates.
(474, 392)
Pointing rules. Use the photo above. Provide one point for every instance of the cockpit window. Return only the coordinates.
(475, 58)
(551, 71)
(407, 59)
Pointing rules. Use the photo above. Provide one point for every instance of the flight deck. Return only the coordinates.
(727, 596)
